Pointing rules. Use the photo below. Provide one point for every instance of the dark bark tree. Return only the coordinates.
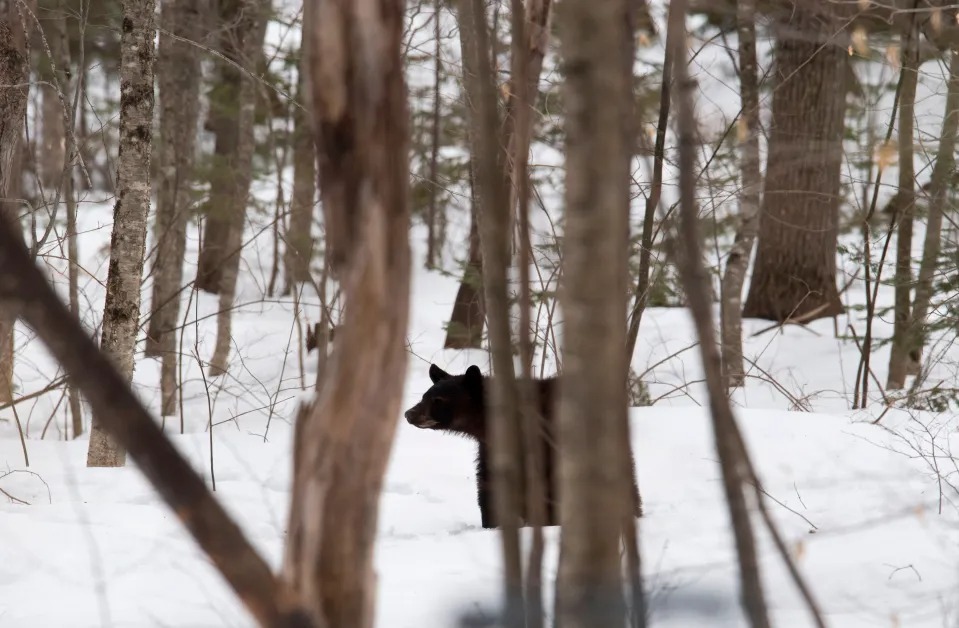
(593, 479)
(252, 29)
(121, 311)
(16, 69)
(736, 264)
(238, 21)
(343, 442)
(179, 77)
(465, 329)
(903, 208)
(795, 272)
(299, 239)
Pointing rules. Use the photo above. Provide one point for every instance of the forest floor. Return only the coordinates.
(868, 510)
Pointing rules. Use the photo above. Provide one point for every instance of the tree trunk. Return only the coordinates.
(179, 77)
(492, 196)
(433, 183)
(15, 71)
(732, 285)
(795, 272)
(903, 208)
(253, 29)
(223, 121)
(939, 190)
(594, 487)
(733, 458)
(299, 239)
(465, 329)
(121, 311)
(343, 443)
(10, 212)
(69, 197)
(466, 321)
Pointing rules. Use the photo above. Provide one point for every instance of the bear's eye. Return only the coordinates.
(439, 402)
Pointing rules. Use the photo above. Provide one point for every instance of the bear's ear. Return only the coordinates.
(473, 379)
(437, 374)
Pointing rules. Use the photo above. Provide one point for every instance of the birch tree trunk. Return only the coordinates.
(179, 77)
(903, 208)
(253, 30)
(738, 261)
(593, 485)
(343, 442)
(121, 312)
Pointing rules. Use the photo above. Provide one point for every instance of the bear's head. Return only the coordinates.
(454, 403)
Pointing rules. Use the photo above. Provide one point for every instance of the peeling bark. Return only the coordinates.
(342, 443)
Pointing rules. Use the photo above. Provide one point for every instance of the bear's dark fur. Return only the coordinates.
(457, 404)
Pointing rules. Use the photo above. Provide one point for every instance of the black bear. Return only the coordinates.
(457, 404)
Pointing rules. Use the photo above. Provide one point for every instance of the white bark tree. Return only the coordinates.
(121, 311)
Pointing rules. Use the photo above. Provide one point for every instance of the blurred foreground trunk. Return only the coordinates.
(343, 442)
(594, 482)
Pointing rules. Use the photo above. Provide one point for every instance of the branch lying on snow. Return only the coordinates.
(25, 290)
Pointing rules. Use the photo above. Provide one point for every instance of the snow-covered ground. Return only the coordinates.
(868, 510)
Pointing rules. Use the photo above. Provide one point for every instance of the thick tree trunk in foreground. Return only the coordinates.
(121, 311)
(941, 173)
(733, 458)
(795, 272)
(179, 75)
(904, 205)
(253, 30)
(594, 488)
(732, 286)
(343, 442)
